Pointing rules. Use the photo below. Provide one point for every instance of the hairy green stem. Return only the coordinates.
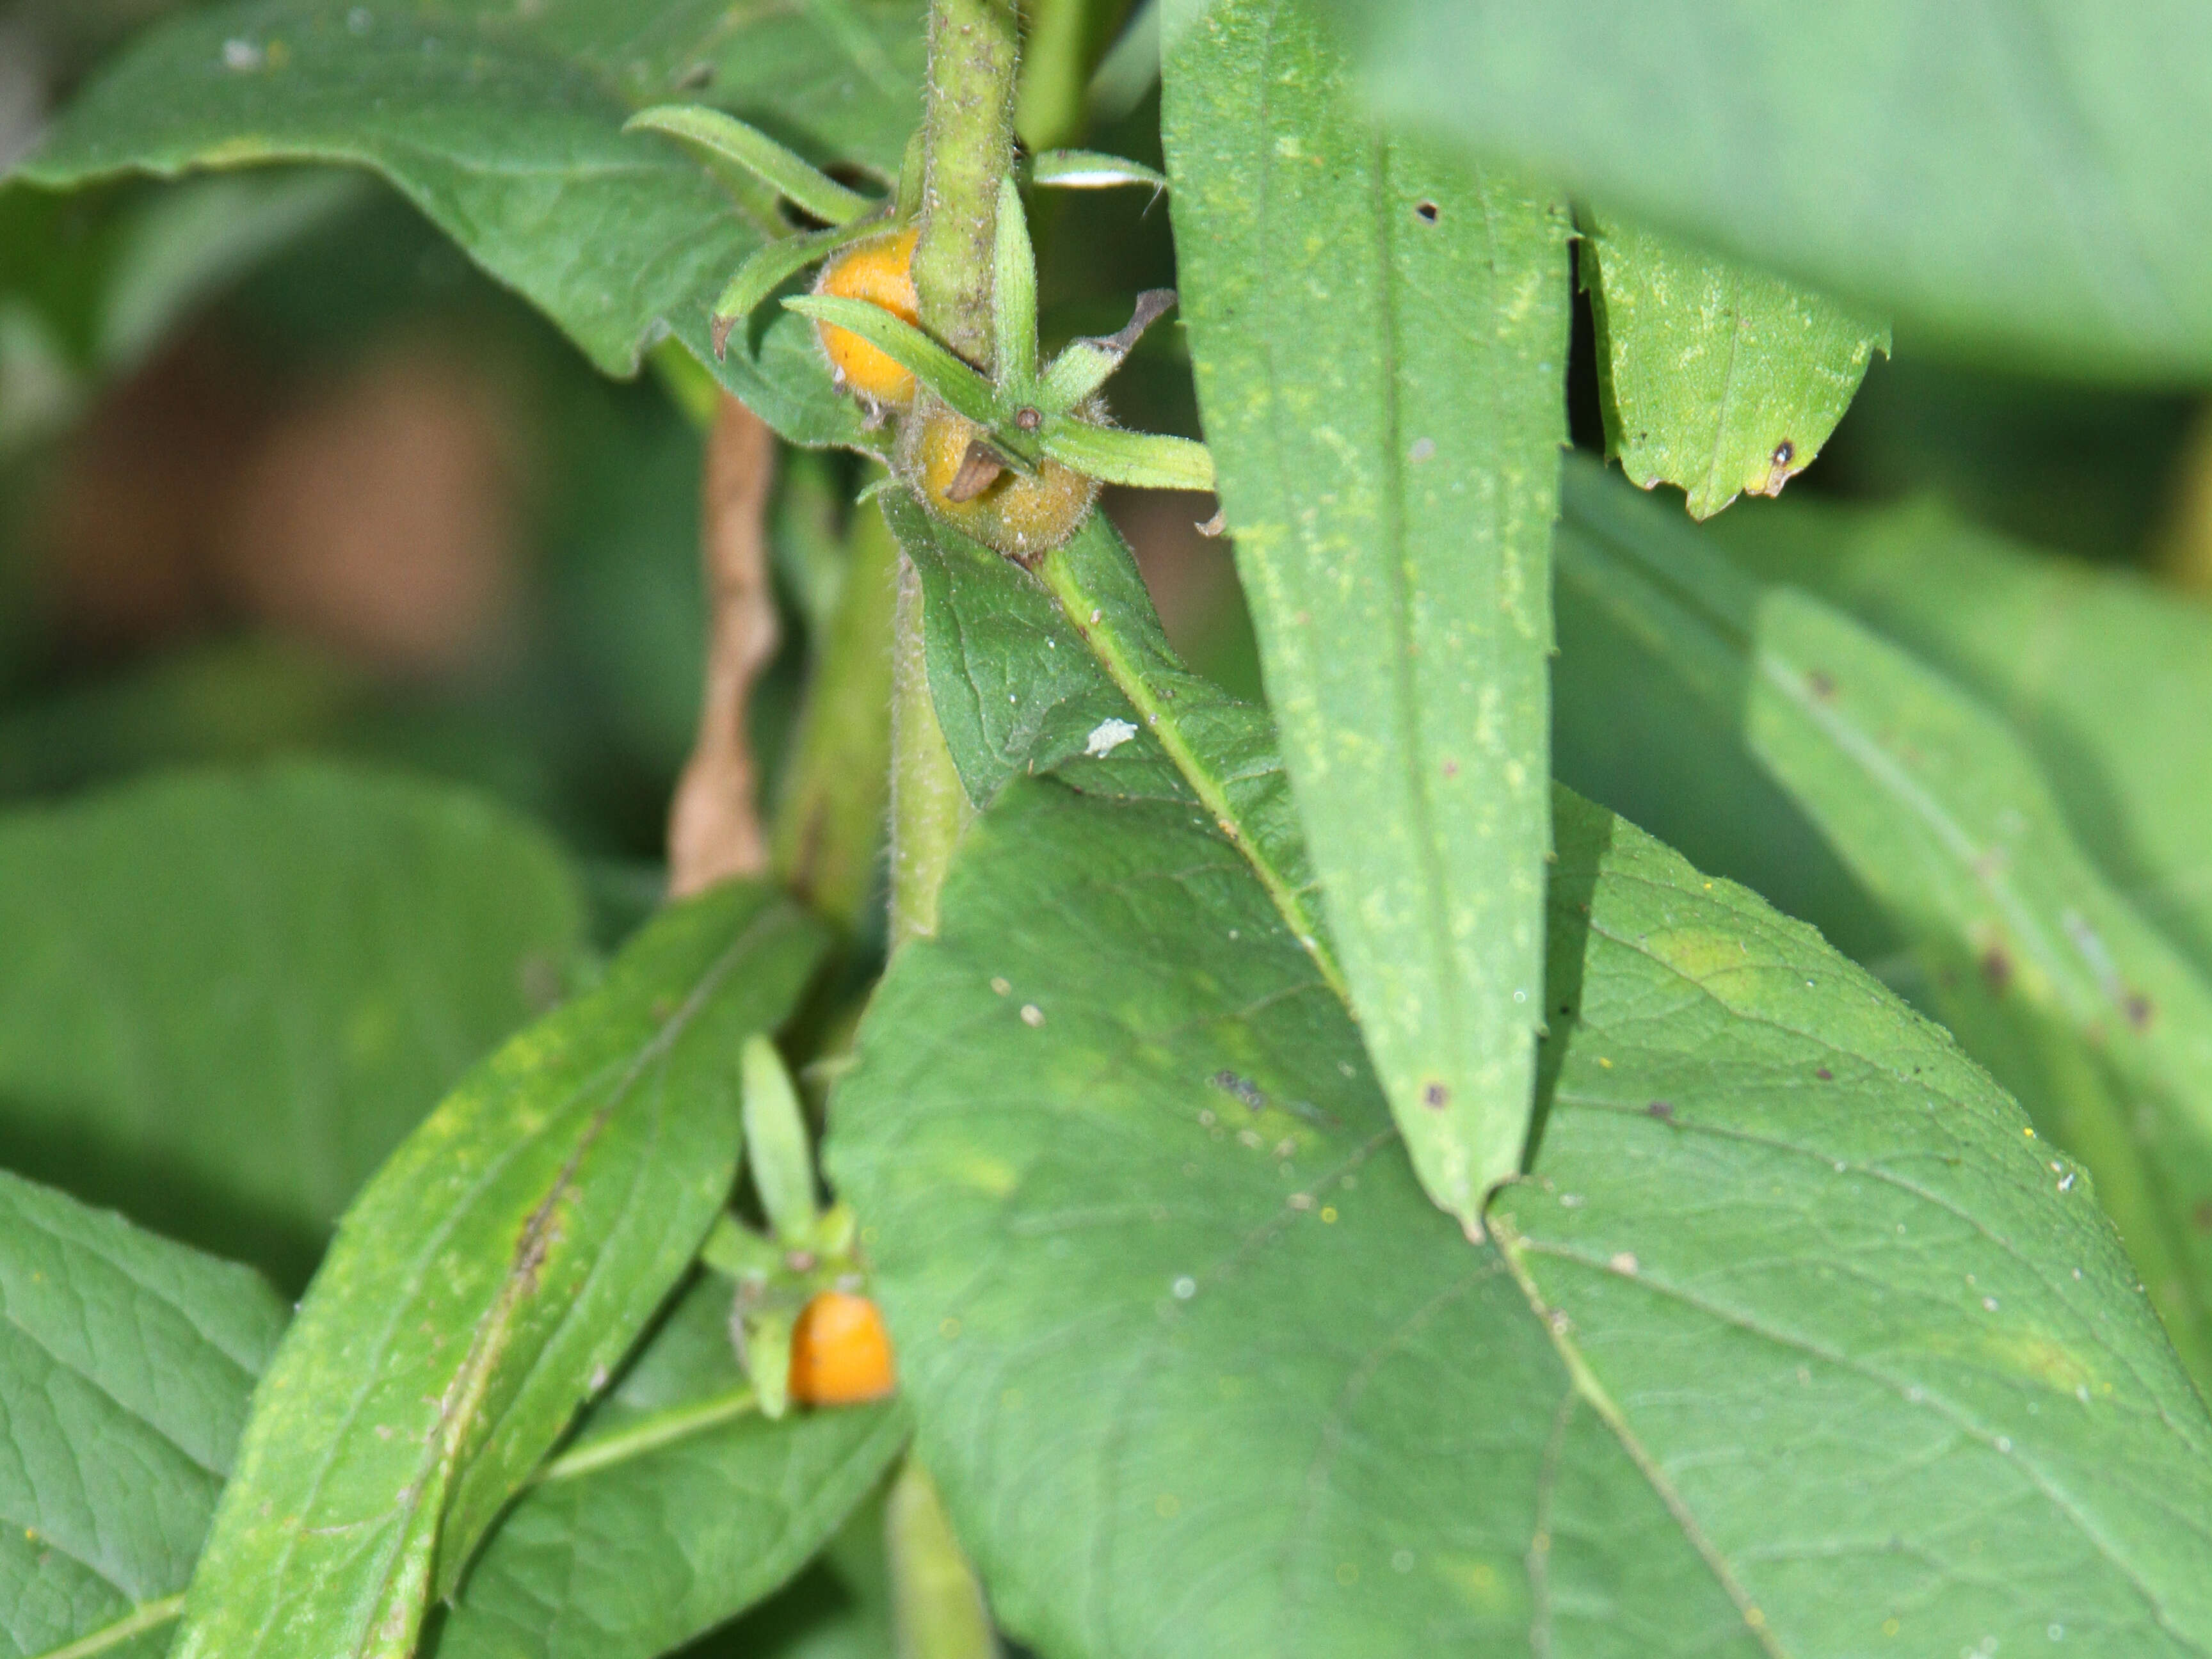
(929, 809)
(969, 123)
(829, 821)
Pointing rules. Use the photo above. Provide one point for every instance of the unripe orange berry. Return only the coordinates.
(878, 271)
(1024, 518)
(841, 1355)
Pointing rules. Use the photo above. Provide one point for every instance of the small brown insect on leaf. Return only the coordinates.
(1436, 1096)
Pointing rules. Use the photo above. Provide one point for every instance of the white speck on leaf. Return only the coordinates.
(241, 56)
(1107, 736)
(1032, 1015)
(1184, 1288)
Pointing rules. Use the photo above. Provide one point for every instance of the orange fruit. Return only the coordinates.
(879, 271)
(841, 1355)
(1024, 518)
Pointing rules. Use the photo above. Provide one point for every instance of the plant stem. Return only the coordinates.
(969, 132)
(829, 823)
(714, 823)
(929, 807)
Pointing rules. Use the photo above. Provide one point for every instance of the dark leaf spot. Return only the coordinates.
(1436, 1095)
(2202, 1215)
(1824, 1075)
(1661, 1110)
(1428, 212)
(1820, 685)
(1996, 967)
(2139, 1011)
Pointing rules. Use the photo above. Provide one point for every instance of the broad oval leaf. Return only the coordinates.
(1714, 376)
(2006, 178)
(504, 126)
(226, 998)
(1201, 1373)
(677, 1506)
(498, 1267)
(125, 1365)
(1943, 813)
(1378, 335)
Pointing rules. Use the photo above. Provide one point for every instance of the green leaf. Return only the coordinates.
(906, 345)
(1940, 810)
(1013, 297)
(1142, 460)
(2002, 179)
(1389, 466)
(1140, 1221)
(1018, 694)
(500, 1263)
(677, 1507)
(2103, 673)
(504, 126)
(125, 1366)
(715, 134)
(1716, 377)
(226, 998)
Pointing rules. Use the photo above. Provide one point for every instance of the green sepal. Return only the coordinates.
(1013, 298)
(950, 379)
(1083, 366)
(736, 1251)
(1091, 169)
(914, 172)
(767, 1357)
(1142, 460)
(807, 188)
(768, 267)
(778, 1150)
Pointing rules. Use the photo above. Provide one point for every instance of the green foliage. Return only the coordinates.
(1942, 814)
(1766, 1314)
(125, 1365)
(505, 128)
(1378, 333)
(1142, 1223)
(1716, 377)
(2005, 180)
(480, 1289)
(676, 1507)
(225, 1000)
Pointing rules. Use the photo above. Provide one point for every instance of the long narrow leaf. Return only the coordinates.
(482, 1287)
(1391, 462)
(710, 129)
